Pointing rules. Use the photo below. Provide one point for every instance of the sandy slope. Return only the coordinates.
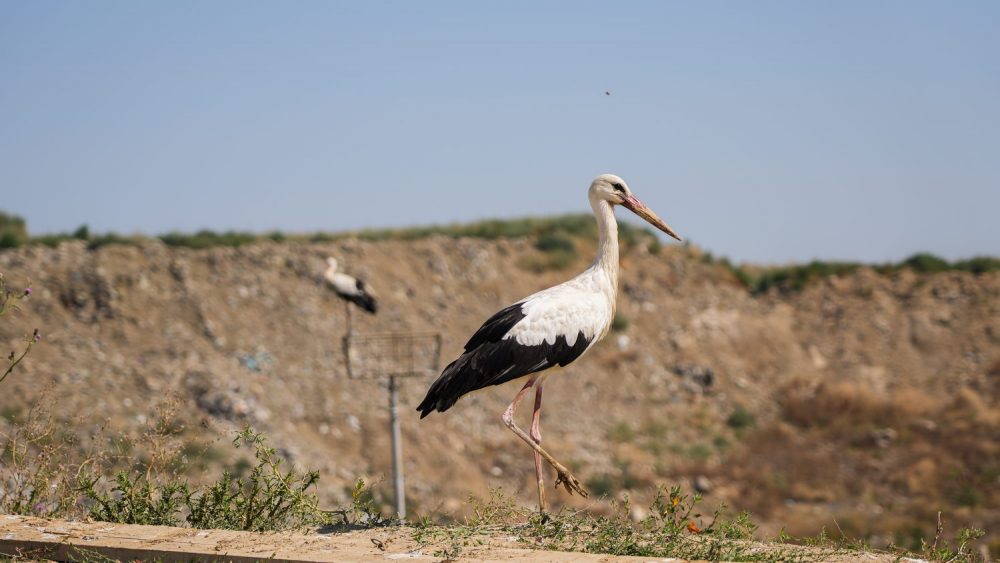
(250, 335)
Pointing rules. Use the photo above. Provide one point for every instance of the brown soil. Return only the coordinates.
(864, 403)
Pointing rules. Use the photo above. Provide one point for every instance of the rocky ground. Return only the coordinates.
(864, 403)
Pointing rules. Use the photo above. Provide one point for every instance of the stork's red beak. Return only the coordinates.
(633, 204)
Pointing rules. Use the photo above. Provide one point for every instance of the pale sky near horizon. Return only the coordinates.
(764, 131)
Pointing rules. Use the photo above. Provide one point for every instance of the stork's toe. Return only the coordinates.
(571, 483)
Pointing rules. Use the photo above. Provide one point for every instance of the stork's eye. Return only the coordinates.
(618, 187)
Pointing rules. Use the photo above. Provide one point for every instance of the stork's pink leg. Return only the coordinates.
(536, 435)
(563, 476)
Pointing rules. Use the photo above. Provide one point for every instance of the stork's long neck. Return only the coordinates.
(607, 242)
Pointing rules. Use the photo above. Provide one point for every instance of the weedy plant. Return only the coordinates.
(960, 549)
(32, 463)
(363, 512)
(135, 500)
(36, 468)
(269, 498)
(9, 301)
(674, 527)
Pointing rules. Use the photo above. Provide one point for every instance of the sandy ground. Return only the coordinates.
(44, 539)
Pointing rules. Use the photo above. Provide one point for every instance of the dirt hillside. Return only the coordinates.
(863, 403)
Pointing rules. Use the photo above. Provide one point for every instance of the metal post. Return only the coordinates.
(397, 449)
(350, 317)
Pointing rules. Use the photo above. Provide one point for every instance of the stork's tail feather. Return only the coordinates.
(444, 392)
(366, 302)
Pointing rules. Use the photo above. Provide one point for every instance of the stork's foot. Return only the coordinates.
(571, 483)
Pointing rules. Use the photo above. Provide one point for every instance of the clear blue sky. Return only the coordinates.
(766, 131)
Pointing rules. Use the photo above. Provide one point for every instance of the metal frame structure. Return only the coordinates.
(393, 355)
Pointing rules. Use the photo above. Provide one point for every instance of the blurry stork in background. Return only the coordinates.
(350, 289)
(548, 329)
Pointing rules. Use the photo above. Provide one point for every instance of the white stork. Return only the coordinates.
(550, 328)
(349, 288)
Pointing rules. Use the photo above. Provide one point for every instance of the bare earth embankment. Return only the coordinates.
(864, 403)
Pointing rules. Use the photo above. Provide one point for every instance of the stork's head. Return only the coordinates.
(615, 191)
(331, 264)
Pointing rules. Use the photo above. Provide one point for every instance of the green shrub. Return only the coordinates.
(655, 246)
(602, 485)
(581, 225)
(555, 242)
(135, 500)
(269, 498)
(206, 238)
(621, 433)
(978, 265)
(925, 263)
(13, 230)
(558, 253)
(740, 418)
(52, 240)
(363, 511)
(699, 452)
(9, 240)
(619, 323)
(795, 278)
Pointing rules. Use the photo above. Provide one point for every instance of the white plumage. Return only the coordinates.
(349, 288)
(578, 307)
(551, 328)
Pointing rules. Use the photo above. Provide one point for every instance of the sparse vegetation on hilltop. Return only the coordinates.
(13, 230)
(761, 279)
(574, 225)
(554, 237)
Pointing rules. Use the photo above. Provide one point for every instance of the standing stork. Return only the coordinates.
(349, 288)
(551, 328)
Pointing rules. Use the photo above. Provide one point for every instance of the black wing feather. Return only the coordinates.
(496, 327)
(363, 300)
(491, 360)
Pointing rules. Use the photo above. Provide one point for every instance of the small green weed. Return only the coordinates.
(135, 500)
(363, 511)
(960, 550)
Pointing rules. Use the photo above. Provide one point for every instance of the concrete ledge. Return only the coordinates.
(63, 540)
